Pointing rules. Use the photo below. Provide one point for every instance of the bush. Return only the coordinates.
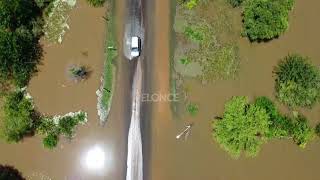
(96, 3)
(242, 128)
(302, 133)
(297, 82)
(50, 141)
(279, 125)
(18, 114)
(266, 19)
(10, 173)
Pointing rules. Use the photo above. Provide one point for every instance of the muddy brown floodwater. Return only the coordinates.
(54, 93)
(200, 158)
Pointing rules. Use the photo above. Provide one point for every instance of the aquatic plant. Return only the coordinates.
(78, 73)
(297, 81)
(192, 109)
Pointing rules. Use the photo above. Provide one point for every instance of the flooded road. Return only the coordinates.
(200, 157)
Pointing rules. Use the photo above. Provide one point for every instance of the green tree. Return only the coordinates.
(297, 81)
(266, 19)
(10, 173)
(243, 127)
(16, 13)
(18, 117)
(279, 125)
(19, 55)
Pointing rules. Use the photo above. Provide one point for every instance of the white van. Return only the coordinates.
(135, 46)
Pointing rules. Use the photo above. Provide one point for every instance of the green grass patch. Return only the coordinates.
(111, 54)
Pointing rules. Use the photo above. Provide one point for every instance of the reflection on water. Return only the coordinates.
(94, 159)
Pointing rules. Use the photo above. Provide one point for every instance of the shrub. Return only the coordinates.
(18, 114)
(302, 133)
(192, 109)
(194, 33)
(279, 125)
(53, 127)
(50, 141)
(266, 19)
(78, 73)
(96, 3)
(10, 173)
(297, 81)
(242, 128)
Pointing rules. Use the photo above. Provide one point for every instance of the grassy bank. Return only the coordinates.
(107, 88)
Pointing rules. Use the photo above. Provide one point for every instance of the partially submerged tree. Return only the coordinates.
(242, 128)
(10, 173)
(18, 117)
(266, 19)
(297, 81)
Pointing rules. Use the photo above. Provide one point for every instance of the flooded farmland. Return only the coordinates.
(200, 157)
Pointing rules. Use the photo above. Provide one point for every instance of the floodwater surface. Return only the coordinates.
(200, 158)
(54, 93)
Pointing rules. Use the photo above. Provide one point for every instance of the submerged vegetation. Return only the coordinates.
(192, 109)
(297, 81)
(200, 47)
(96, 3)
(56, 20)
(245, 126)
(52, 127)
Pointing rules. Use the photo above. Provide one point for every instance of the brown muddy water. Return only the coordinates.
(200, 158)
(54, 93)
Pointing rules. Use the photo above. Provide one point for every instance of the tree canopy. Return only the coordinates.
(16, 13)
(242, 128)
(18, 117)
(266, 19)
(297, 81)
(19, 54)
(10, 173)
